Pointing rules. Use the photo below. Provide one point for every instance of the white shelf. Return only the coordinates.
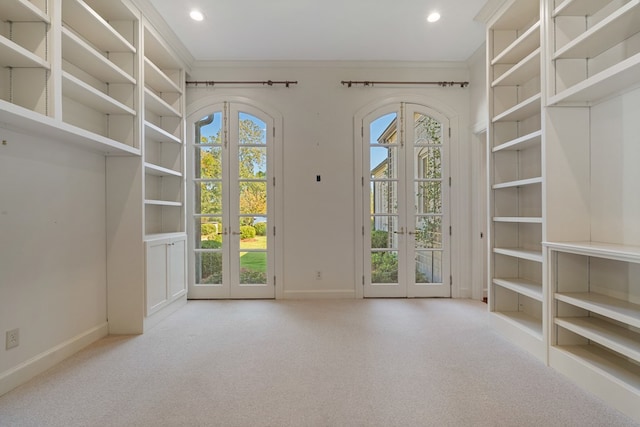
(621, 76)
(615, 28)
(14, 55)
(158, 52)
(157, 79)
(522, 143)
(622, 311)
(527, 254)
(578, 8)
(519, 14)
(522, 286)
(85, 94)
(156, 170)
(86, 21)
(521, 47)
(625, 253)
(163, 236)
(158, 105)
(162, 203)
(519, 183)
(611, 366)
(22, 11)
(522, 72)
(518, 219)
(523, 321)
(156, 133)
(23, 120)
(78, 52)
(607, 334)
(527, 108)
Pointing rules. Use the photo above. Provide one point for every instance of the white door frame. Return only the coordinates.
(359, 171)
(203, 107)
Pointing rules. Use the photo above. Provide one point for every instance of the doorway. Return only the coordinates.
(405, 202)
(233, 207)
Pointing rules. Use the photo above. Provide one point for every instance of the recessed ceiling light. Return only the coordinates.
(433, 17)
(196, 15)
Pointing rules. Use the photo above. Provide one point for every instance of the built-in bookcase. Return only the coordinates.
(593, 231)
(516, 296)
(99, 70)
(25, 57)
(163, 138)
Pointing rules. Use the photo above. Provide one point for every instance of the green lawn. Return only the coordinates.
(256, 261)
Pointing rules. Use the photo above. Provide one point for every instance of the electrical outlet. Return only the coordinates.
(12, 338)
(318, 275)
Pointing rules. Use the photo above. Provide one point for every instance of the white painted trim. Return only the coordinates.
(28, 369)
(167, 309)
(315, 294)
(331, 64)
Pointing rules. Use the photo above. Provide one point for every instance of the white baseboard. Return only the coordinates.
(28, 369)
(315, 294)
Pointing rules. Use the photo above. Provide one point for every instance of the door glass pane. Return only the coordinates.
(384, 267)
(429, 267)
(253, 197)
(428, 232)
(253, 233)
(209, 129)
(427, 130)
(428, 196)
(428, 162)
(209, 268)
(209, 232)
(383, 162)
(384, 197)
(210, 196)
(252, 162)
(253, 268)
(252, 129)
(382, 232)
(210, 164)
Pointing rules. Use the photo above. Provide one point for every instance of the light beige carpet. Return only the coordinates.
(431, 362)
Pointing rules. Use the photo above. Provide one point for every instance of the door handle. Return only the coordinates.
(411, 233)
(399, 232)
(236, 233)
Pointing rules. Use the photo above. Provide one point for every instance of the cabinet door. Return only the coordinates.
(156, 275)
(177, 265)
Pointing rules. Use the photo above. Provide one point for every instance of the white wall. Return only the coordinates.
(318, 117)
(52, 251)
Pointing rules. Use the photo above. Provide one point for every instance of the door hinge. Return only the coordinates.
(274, 131)
(274, 181)
(362, 131)
(362, 181)
(363, 230)
(274, 230)
(449, 181)
(449, 230)
(362, 280)
(449, 132)
(274, 280)
(450, 280)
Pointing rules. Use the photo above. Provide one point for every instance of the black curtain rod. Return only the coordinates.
(351, 83)
(286, 83)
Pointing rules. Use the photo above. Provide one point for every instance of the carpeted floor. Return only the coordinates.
(428, 362)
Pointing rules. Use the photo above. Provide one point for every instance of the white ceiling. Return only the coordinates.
(352, 30)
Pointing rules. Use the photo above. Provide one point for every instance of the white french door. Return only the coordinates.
(233, 204)
(406, 203)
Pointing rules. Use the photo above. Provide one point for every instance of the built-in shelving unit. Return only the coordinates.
(163, 130)
(99, 68)
(596, 318)
(516, 297)
(592, 235)
(25, 62)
